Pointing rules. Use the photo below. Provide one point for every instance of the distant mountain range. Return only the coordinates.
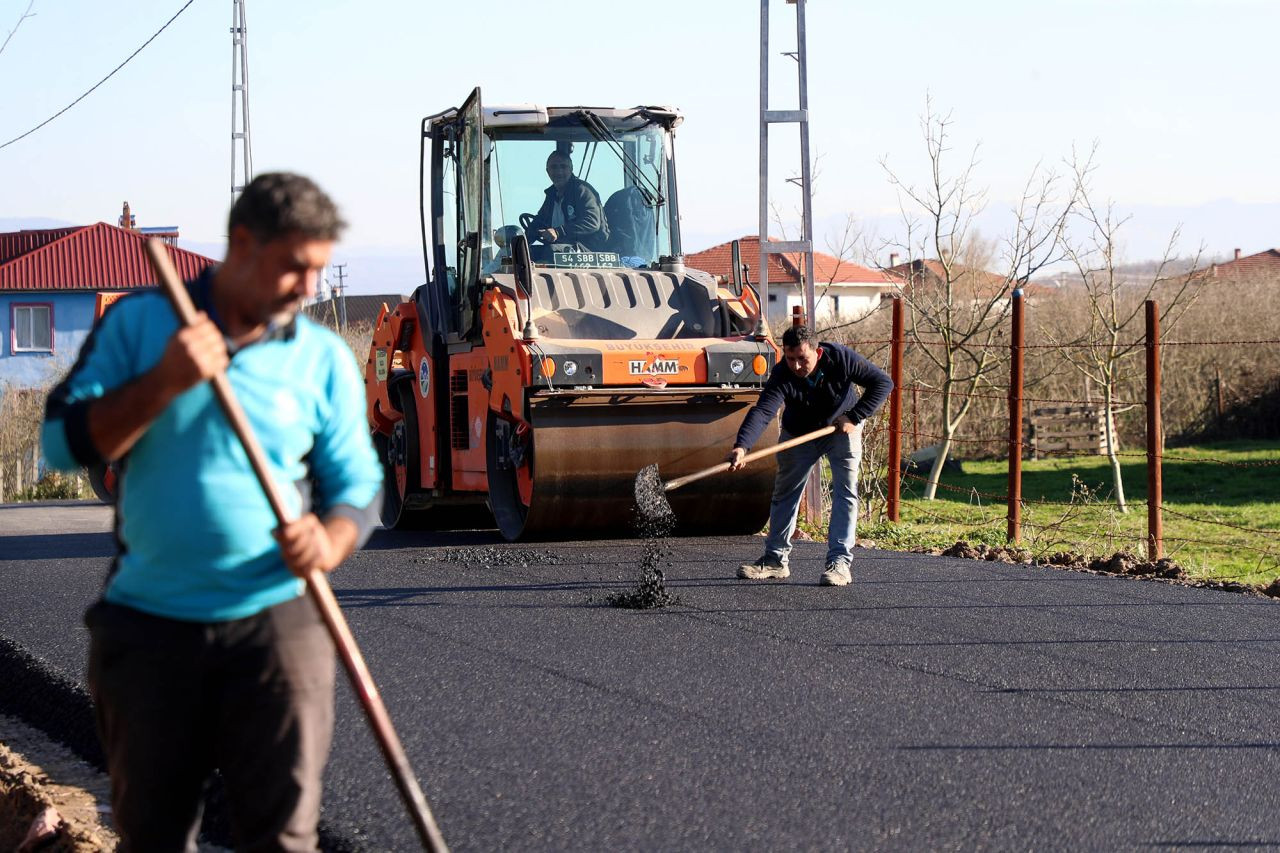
(33, 223)
(1221, 226)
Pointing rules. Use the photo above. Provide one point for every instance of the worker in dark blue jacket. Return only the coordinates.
(817, 382)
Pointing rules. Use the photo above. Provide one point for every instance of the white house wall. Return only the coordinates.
(834, 304)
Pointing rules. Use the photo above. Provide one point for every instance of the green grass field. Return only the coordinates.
(1218, 500)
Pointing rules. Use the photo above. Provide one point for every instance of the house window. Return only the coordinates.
(773, 297)
(32, 328)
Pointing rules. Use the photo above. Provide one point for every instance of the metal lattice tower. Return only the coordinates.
(798, 116)
(240, 138)
(811, 507)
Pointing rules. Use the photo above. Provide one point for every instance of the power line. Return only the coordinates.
(103, 80)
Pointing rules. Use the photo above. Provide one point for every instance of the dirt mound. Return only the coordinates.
(996, 553)
(1126, 563)
(1123, 563)
(48, 815)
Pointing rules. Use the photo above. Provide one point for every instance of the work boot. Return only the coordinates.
(836, 574)
(765, 568)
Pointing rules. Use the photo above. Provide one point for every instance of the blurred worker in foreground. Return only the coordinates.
(203, 651)
(572, 212)
(816, 382)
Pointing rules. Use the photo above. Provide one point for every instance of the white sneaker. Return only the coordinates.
(766, 568)
(837, 574)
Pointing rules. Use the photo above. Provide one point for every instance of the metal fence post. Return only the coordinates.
(1155, 443)
(895, 414)
(1015, 420)
(1155, 461)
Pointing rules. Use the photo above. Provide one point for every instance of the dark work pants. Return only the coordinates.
(251, 697)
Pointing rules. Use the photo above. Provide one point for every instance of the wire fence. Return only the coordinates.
(1006, 419)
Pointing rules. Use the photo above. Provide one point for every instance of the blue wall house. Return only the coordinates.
(55, 283)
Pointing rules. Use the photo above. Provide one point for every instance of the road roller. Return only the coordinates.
(559, 344)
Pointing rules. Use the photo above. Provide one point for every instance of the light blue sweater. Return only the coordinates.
(194, 526)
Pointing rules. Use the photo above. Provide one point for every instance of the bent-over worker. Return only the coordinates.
(816, 382)
(203, 651)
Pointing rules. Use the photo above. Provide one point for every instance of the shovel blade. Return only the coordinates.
(652, 507)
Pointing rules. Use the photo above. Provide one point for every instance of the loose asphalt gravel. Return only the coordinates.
(934, 703)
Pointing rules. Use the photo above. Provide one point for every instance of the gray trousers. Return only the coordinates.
(174, 700)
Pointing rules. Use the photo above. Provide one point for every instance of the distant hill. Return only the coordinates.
(1140, 272)
(33, 223)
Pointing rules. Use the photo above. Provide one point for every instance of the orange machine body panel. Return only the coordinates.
(468, 417)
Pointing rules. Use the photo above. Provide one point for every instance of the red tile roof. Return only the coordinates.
(784, 269)
(1264, 264)
(87, 257)
(17, 243)
(929, 272)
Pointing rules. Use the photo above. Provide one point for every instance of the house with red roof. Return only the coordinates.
(1263, 266)
(843, 291)
(56, 282)
(926, 277)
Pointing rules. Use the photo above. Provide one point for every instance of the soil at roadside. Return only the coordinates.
(1121, 563)
(37, 774)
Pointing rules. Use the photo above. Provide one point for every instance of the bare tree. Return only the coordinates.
(848, 245)
(1104, 350)
(958, 308)
(27, 14)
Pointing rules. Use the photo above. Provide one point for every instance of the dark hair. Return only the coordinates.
(797, 335)
(278, 203)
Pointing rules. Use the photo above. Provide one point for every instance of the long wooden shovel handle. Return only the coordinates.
(750, 457)
(317, 585)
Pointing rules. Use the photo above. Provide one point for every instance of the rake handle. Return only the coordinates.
(317, 585)
(750, 457)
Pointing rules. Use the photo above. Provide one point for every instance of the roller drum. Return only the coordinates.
(585, 450)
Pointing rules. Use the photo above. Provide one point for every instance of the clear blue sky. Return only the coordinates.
(1179, 95)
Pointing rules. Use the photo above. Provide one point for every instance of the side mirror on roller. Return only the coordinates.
(522, 264)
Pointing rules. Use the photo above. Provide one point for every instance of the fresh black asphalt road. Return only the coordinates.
(935, 703)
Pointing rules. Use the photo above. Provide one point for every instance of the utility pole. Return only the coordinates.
(340, 271)
(240, 102)
(798, 116)
(811, 507)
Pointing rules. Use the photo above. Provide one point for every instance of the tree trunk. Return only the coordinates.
(1111, 438)
(935, 472)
